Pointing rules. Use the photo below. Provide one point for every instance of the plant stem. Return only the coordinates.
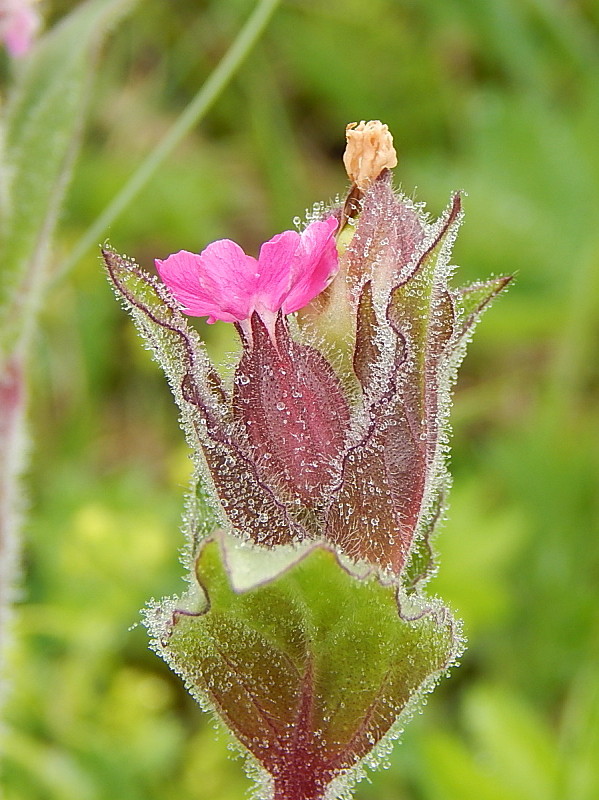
(12, 449)
(194, 113)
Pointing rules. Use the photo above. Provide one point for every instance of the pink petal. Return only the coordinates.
(219, 283)
(295, 268)
(224, 283)
(317, 264)
(277, 263)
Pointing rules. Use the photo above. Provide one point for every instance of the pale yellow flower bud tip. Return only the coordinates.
(368, 152)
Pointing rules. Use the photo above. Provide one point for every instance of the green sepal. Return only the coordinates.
(309, 664)
(421, 563)
(472, 300)
(421, 309)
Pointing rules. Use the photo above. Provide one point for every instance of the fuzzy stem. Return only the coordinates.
(12, 414)
(194, 113)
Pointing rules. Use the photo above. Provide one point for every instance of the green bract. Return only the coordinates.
(310, 667)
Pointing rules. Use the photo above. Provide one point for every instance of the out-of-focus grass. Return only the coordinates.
(498, 98)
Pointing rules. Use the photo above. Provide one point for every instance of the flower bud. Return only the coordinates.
(19, 25)
(369, 151)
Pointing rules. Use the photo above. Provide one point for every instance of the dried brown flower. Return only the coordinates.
(369, 151)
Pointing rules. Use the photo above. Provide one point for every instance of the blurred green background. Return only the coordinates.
(496, 97)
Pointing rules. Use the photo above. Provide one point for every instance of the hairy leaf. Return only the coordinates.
(388, 234)
(473, 299)
(310, 668)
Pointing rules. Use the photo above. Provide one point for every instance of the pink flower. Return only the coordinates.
(19, 23)
(226, 284)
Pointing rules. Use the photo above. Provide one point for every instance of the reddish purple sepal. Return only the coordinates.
(294, 413)
(288, 452)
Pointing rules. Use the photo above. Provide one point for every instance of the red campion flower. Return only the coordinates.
(323, 460)
(224, 283)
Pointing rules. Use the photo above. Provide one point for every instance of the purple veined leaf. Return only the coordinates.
(372, 514)
(422, 313)
(437, 343)
(294, 414)
(245, 502)
(176, 346)
(311, 668)
(467, 304)
(250, 505)
(390, 496)
(421, 308)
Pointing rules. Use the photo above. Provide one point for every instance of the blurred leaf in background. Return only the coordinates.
(498, 98)
(40, 131)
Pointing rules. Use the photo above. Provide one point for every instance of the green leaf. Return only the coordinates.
(42, 128)
(311, 667)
